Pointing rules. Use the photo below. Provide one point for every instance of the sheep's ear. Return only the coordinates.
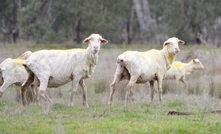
(166, 43)
(104, 41)
(196, 60)
(86, 41)
(181, 42)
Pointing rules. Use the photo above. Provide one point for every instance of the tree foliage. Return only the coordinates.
(134, 21)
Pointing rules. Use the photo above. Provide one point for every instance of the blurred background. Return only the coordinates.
(122, 22)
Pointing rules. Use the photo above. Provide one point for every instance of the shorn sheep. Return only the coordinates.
(142, 67)
(13, 72)
(180, 70)
(53, 68)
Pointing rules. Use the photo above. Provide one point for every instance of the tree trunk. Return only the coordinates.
(146, 23)
(77, 28)
(15, 29)
(130, 25)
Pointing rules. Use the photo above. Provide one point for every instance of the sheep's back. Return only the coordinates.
(13, 70)
(144, 64)
(58, 64)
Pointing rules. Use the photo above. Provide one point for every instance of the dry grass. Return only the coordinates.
(199, 83)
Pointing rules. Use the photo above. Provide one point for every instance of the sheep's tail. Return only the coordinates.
(27, 69)
(1, 78)
(121, 62)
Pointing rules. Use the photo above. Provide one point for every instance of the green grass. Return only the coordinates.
(139, 117)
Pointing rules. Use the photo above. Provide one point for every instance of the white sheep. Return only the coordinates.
(53, 68)
(13, 72)
(180, 70)
(142, 67)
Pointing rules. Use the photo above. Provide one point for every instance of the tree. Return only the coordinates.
(186, 18)
(9, 19)
(146, 23)
(135, 21)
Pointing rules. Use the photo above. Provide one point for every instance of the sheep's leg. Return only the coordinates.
(184, 82)
(74, 89)
(152, 90)
(113, 87)
(37, 96)
(117, 78)
(43, 88)
(84, 92)
(177, 82)
(144, 90)
(24, 88)
(3, 87)
(33, 93)
(32, 98)
(131, 96)
(130, 84)
(47, 97)
(34, 89)
(159, 82)
(60, 94)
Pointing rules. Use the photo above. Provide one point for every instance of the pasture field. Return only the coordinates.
(200, 99)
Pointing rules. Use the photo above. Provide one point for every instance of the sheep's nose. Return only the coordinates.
(95, 47)
(177, 50)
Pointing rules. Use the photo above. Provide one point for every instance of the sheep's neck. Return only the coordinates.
(170, 57)
(91, 58)
(189, 67)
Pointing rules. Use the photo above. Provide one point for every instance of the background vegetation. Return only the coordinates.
(129, 22)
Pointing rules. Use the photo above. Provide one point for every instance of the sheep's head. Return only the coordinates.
(25, 55)
(94, 41)
(197, 65)
(172, 45)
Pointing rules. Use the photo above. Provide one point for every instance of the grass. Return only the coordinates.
(136, 117)
(202, 96)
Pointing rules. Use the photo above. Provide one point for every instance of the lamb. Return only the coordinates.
(180, 70)
(142, 67)
(12, 72)
(53, 68)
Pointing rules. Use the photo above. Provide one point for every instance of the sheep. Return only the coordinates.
(53, 68)
(142, 67)
(13, 72)
(25, 55)
(180, 70)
